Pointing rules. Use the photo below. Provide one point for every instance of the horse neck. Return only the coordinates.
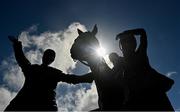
(94, 65)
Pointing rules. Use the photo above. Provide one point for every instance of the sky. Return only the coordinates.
(53, 24)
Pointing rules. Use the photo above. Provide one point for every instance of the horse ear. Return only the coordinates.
(95, 30)
(79, 31)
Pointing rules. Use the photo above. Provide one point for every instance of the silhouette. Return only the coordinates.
(147, 88)
(84, 50)
(117, 62)
(118, 71)
(40, 82)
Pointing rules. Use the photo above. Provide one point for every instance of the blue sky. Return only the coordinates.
(160, 18)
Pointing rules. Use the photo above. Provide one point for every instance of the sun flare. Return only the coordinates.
(101, 52)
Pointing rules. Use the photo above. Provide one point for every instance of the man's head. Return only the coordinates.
(128, 44)
(48, 57)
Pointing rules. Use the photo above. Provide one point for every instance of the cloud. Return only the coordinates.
(12, 76)
(69, 97)
(177, 110)
(81, 99)
(60, 41)
(89, 99)
(170, 74)
(5, 96)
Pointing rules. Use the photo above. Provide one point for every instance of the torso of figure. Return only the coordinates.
(136, 72)
(40, 83)
(137, 63)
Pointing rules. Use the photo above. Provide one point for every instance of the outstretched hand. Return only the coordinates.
(13, 39)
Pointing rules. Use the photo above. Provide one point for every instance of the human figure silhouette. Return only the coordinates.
(84, 49)
(117, 62)
(118, 71)
(147, 88)
(38, 92)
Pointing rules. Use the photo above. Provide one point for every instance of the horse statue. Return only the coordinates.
(84, 50)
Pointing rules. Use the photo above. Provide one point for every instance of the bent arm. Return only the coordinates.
(143, 38)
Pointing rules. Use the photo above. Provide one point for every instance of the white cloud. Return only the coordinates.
(81, 99)
(88, 99)
(170, 74)
(78, 97)
(12, 75)
(5, 96)
(60, 41)
(177, 110)
(14, 78)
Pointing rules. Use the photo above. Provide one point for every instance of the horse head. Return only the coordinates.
(85, 45)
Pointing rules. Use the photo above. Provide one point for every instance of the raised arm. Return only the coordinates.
(143, 38)
(19, 55)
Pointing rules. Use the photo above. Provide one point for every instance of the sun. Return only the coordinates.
(101, 52)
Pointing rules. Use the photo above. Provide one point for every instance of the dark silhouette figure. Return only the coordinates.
(84, 50)
(38, 93)
(117, 63)
(118, 72)
(147, 88)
